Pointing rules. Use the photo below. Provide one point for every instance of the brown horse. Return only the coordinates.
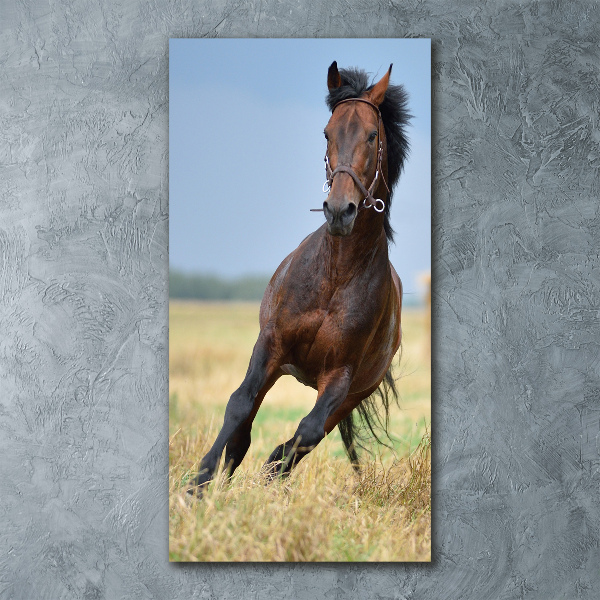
(330, 315)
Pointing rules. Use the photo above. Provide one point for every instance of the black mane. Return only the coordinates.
(395, 117)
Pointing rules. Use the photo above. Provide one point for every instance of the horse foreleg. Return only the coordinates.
(239, 443)
(241, 409)
(311, 429)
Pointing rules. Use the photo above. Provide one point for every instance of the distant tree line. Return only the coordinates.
(192, 286)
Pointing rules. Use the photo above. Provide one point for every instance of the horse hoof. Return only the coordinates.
(197, 487)
(194, 491)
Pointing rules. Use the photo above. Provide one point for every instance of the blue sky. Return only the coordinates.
(246, 147)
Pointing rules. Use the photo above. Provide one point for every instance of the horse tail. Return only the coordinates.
(373, 419)
(347, 429)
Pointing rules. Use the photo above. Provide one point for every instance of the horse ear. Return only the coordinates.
(333, 77)
(377, 93)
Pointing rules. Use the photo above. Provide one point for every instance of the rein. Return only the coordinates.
(369, 201)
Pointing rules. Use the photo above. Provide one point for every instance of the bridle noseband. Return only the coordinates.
(369, 200)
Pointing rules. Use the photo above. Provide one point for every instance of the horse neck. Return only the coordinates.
(345, 257)
(355, 253)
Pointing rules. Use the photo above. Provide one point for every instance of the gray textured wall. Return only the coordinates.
(83, 299)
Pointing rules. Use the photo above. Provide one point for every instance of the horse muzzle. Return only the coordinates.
(340, 219)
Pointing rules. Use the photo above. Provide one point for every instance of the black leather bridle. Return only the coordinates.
(369, 200)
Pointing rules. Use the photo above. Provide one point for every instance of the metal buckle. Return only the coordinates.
(369, 205)
(326, 187)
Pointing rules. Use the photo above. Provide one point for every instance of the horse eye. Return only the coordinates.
(372, 136)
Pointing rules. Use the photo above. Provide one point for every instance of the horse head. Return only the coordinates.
(356, 157)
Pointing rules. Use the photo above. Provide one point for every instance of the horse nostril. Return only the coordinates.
(349, 212)
(327, 212)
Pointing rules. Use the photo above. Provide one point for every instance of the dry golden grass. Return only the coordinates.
(323, 511)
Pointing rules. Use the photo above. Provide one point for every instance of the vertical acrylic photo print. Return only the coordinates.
(299, 313)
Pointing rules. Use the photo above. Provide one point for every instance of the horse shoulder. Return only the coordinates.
(268, 304)
(272, 296)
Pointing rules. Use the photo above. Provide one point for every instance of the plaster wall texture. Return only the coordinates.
(84, 295)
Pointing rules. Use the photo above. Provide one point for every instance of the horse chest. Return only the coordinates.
(324, 339)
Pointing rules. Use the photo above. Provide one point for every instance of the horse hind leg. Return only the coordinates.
(347, 430)
(343, 417)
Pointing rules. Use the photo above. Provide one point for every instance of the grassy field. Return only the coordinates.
(323, 511)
